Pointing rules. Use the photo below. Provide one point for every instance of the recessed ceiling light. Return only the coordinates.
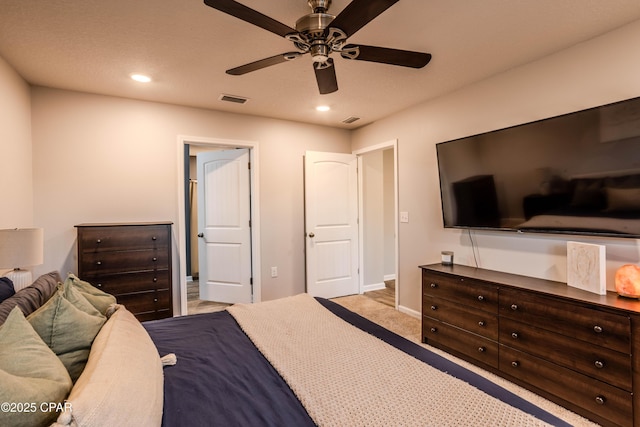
(323, 108)
(141, 78)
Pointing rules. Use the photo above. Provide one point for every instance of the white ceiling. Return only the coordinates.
(93, 46)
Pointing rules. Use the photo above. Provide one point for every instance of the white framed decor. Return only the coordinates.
(586, 267)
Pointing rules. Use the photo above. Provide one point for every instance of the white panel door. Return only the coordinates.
(224, 244)
(331, 216)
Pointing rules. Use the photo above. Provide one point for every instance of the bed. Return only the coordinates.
(297, 361)
(233, 383)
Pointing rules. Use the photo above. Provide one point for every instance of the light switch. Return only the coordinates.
(274, 271)
(404, 216)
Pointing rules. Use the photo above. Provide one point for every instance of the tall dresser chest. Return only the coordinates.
(131, 261)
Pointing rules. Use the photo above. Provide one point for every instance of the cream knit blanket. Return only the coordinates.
(346, 377)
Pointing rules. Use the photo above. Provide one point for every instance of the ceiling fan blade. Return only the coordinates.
(251, 16)
(359, 13)
(326, 77)
(263, 63)
(404, 58)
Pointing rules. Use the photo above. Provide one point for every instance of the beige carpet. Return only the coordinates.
(410, 328)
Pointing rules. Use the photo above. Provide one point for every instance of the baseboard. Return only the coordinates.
(389, 277)
(410, 312)
(373, 287)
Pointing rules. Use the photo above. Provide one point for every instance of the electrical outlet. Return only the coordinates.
(404, 216)
(274, 271)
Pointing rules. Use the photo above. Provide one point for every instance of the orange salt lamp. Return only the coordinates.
(628, 281)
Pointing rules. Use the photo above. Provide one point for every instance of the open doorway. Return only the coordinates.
(190, 244)
(219, 183)
(378, 225)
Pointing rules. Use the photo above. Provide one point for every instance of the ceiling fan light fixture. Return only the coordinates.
(320, 34)
(320, 52)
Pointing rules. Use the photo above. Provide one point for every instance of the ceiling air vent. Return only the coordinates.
(350, 120)
(233, 98)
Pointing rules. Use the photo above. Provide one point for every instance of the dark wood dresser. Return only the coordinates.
(578, 349)
(131, 261)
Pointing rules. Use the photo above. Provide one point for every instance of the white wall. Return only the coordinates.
(597, 72)
(107, 159)
(15, 150)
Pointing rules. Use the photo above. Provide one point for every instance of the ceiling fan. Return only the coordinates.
(320, 34)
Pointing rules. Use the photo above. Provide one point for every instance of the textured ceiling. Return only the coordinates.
(186, 46)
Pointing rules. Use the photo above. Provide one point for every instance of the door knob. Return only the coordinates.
(312, 235)
(200, 234)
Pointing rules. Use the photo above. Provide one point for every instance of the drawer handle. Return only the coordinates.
(515, 363)
(599, 364)
(434, 330)
(155, 279)
(597, 329)
(514, 307)
(99, 241)
(98, 262)
(600, 400)
(155, 300)
(155, 259)
(481, 323)
(154, 238)
(434, 285)
(514, 335)
(434, 307)
(481, 349)
(99, 285)
(480, 298)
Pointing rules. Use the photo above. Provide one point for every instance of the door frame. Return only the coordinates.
(392, 144)
(253, 147)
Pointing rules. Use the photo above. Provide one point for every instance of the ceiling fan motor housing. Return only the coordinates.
(312, 28)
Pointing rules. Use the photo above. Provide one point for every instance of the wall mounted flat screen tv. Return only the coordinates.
(573, 174)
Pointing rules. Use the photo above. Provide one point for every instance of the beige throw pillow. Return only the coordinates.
(122, 383)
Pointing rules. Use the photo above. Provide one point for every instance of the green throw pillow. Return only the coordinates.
(99, 299)
(68, 324)
(30, 373)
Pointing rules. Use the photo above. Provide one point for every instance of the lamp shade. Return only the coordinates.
(21, 247)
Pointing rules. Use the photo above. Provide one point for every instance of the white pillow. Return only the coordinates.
(122, 383)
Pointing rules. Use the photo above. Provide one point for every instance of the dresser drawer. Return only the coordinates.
(130, 237)
(117, 284)
(597, 397)
(462, 290)
(145, 302)
(101, 263)
(593, 326)
(471, 345)
(477, 321)
(598, 362)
